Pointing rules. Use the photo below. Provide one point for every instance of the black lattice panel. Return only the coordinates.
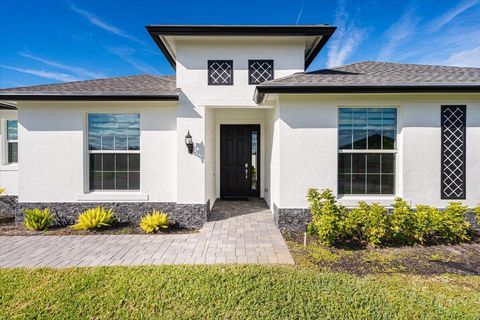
(220, 72)
(453, 152)
(260, 71)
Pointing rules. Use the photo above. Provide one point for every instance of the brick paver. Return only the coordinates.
(238, 232)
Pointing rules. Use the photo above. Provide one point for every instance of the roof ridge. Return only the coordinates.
(406, 64)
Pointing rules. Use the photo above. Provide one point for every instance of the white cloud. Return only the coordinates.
(44, 74)
(465, 58)
(438, 23)
(126, 54)
(398, 33)
(96, 21)
(300, 13)
(75, 70)
(346, 39)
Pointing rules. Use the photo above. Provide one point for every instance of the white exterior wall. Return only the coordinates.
(8, 172)
(53, 151)
(210, 157)
(272, 155)
(308, 146)
(194, 172)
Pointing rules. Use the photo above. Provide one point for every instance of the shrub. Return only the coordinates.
(94, 218)
(477, 213)
(424, 223)
(367, 223)
(2, 191)
(327, 216)
(450, 224)
(36, 219)
(402, 222)
(154, 222)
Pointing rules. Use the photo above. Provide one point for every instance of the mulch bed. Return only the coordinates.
(9, 228)
(460, 259)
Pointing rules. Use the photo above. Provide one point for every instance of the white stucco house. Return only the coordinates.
(260, 126)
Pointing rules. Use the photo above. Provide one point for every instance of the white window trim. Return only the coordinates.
(109, 195)
(5, 165)
(11, 141)
(381, 198)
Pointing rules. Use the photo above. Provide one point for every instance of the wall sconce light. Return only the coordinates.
(189, 142)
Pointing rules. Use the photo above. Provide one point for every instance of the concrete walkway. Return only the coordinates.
(239, 232)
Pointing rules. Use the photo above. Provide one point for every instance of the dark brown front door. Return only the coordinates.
(239, 161)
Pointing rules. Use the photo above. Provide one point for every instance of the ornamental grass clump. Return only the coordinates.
(155, 221)
(37, 219)
(94, 218)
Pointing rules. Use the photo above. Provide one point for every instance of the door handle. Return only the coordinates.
(246, 171)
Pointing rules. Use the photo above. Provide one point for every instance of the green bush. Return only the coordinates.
(402, 222)
(367, 223)
(94, 218)
(370, 223)
(36, 219)
(450, 224)
(327, 216)
(425, 223)
(154, 222)
(477, 213)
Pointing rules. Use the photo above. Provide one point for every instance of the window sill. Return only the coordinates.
(112, 196)
(352, 200)
(9, 167)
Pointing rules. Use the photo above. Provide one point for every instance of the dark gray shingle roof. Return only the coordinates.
(141, 86)
(370, 72)
(371, 77)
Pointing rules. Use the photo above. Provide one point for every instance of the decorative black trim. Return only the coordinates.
(267, 75)
(453, 174)
(260, 91)
(322, 32)
(226, 74)
(84, 97)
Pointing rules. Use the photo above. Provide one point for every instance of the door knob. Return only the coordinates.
(246, 171)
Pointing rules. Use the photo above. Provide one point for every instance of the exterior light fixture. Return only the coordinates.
(189, 142)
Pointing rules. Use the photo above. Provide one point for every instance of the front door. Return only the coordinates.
(239, 161)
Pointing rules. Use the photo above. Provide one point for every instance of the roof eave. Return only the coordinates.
(158, 31)
(261, 91)
(83, 97)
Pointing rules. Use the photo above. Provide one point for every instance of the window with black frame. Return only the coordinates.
(367, 150)
(114, 151)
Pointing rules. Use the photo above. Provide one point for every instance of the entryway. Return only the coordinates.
(239, 161)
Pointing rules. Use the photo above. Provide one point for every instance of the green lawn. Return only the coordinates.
(233, 292)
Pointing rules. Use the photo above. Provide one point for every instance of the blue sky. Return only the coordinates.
(54, 41)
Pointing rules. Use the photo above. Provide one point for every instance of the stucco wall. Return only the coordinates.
(210, 156)
(8, 172)
(53, 157)
(194, 184)
(308, 146)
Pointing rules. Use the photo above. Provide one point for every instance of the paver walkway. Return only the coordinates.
(238, 232)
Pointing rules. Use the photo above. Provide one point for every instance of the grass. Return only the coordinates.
(233, 292)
